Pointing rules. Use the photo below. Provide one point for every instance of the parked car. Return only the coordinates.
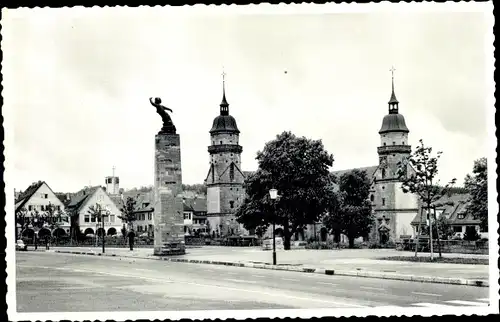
(20, 245)
(267, 244)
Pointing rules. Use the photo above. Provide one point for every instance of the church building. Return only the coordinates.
(225, 178)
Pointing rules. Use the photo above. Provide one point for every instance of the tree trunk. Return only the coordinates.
(351, 241)
(437, 232)
(419, 231)
(287, 234)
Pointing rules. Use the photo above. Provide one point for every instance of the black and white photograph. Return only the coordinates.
(291, 160)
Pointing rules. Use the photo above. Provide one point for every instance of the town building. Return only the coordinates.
(35, 204)
(195, 216)
(225, 177)
(82, 217)
(144, 223)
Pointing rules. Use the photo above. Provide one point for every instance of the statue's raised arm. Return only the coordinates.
(168, 125)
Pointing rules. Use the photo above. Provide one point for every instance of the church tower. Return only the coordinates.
(394, 209)
(225, 178)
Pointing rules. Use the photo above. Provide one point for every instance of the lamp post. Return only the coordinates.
(273, 193)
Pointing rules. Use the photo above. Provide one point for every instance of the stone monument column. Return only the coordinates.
(168, 215)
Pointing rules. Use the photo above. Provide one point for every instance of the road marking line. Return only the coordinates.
(239, 281)
(372, 288)
(258, 276)
(327, 283)
(431, 305)
(274, 294)
(470, 303)
(231, 273)
(484, 300)
(426, 294)
(290, 279)
(389, 307)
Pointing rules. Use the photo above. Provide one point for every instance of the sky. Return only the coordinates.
(77, 85)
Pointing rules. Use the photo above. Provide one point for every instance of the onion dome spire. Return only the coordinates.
(224, 105)
(393, 102)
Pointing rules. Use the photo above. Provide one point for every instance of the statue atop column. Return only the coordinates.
(168, 125)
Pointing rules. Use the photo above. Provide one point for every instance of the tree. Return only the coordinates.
(98, 212)
(299, 169)
(350, 211)
(22, 220)
(128, 212)
(442, 228)
(477, 187)
(421, 180)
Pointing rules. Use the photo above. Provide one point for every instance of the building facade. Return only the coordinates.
(225, 179)
(89, 225)
(34, 204)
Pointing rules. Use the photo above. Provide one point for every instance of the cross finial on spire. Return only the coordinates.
(393, 102)
(224, 106)
(114, 171)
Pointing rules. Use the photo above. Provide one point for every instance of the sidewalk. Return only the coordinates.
(349, 262)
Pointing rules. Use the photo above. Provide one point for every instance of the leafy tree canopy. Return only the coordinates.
(350, 211)
(477, 186)
(299, 169)
(128, 211)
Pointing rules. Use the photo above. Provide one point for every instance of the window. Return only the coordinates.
(220, 142)
(92, 219)
(42, 207)
(461, 216)
(231, 172)
(86, 218)
(213, 173)
(384, 144)
(372, 198)
(117, 180)
(383, 201)
(112, 218)
(457, 229)
(383, 173)
(30, 207)
(403, 143)
(393, 143)
(150, 216)
(231, 204)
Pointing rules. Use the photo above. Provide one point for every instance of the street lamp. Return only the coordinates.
(273, 193)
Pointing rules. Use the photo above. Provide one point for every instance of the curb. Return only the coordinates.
(309, 270)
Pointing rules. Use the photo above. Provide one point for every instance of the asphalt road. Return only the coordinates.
(51, 282)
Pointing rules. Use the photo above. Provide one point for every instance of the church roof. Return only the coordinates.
(370, 171)
(224, 123)
(393, 123)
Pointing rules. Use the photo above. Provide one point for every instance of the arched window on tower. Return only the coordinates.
(372, 198)
(383, 173)
(231, 172)
(213, 173)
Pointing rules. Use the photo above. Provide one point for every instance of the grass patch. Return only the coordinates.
(446, 260)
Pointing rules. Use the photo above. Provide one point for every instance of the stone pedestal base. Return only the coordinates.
(168, 205)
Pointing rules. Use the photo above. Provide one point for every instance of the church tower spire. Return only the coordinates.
(224, 105)
(393, 102)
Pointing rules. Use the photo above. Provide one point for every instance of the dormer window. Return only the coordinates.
(231, 204)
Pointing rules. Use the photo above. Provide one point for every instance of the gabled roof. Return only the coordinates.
(79, 198)
(195, 205)
(451, 212)
(28, 193)
(248, 173)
